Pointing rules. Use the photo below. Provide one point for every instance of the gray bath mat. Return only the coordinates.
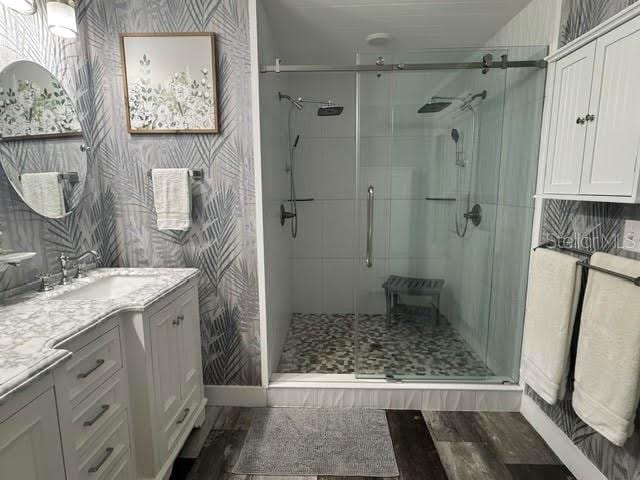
(301, 441)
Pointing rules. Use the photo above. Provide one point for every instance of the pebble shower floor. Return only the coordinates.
(324, 343)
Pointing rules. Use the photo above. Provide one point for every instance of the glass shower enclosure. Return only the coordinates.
(429, 146)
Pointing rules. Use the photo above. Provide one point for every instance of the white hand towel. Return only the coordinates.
(554, 288)
(44, 193)
(172, 198)
(607, 378)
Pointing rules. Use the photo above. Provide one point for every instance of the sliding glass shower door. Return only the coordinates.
(428, 169)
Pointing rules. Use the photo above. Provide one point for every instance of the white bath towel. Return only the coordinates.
(172, 198)
(554, 288)
(607, 378)
(44, 193)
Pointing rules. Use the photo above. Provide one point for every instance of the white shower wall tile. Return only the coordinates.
(308, 167)
(338, 228)
(370, 294)
(338, 168)
(308, 243)
(337, 285)
(307, 285)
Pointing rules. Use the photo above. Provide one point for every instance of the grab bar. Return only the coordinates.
(369, 259)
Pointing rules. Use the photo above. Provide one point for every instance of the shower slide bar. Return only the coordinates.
(587, 265)
(484, 65)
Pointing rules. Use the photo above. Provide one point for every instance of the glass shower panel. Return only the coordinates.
(429, 149)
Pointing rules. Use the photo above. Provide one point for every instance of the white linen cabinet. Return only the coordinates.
(592, 149)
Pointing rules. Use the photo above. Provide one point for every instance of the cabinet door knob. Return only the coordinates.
(590, 117)
(178, 320)
(580, 121)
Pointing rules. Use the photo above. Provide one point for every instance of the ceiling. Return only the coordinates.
(332, 31)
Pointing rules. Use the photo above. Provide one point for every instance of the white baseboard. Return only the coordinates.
(236, 395)
(561, 445)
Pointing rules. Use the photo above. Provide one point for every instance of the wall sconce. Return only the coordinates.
(61, 18)
(26, 7)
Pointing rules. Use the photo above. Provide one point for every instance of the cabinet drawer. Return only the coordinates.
(174, 430)
(91, 365)
(103, 455)
(92, 416)
(123, 469)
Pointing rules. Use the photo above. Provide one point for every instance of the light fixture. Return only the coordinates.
(61, 18)
(26, 7)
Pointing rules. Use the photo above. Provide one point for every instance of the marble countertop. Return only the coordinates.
(33, 324)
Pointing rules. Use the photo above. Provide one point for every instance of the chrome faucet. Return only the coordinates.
(80, 265)
(64, 265)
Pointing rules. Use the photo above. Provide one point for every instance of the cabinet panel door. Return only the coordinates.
(613, 138)
(164, 331)
(30, 442)
(190, 363)
(570, 101)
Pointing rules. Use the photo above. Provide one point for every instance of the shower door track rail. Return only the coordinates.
(403, 67)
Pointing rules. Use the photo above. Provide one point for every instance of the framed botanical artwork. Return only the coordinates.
(170, 82)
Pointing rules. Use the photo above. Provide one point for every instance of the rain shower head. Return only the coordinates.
(438, 103)
(330, 110)
(433, 107)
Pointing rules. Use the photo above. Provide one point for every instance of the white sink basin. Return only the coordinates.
(107, 288)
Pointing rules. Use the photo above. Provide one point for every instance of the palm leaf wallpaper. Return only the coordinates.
(596, 227)
(116, 214)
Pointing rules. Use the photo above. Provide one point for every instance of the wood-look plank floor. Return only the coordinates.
(427, 446)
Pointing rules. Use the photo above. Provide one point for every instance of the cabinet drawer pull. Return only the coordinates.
(98, 364)
(103, 410)
(183, 416)
(105, 457)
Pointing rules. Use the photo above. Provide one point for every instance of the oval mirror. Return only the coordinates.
(42, 148)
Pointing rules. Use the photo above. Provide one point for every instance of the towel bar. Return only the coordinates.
(71, 177)
(197, 175)
(587, 265)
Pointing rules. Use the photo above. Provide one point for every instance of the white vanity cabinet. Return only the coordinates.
(93, 406)
(592, 149)
(29, 436)
(165, 376)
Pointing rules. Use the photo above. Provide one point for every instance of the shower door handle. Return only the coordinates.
(369, 259)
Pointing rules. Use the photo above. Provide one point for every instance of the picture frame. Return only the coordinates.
(170, 82)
